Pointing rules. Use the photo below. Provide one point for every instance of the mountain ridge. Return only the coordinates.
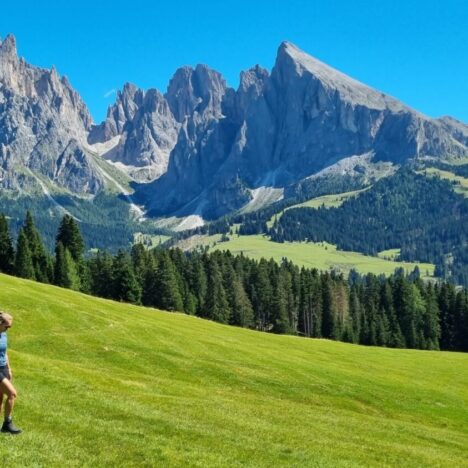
(203, 148)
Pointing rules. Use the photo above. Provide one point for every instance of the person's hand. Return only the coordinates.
(10, 374)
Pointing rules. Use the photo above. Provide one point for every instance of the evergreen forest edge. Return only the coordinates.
(399, 311)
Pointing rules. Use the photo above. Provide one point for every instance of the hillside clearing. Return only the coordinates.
(320, 255)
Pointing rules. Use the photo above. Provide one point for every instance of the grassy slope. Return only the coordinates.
(325, 201)
(319, 255)
(461, 183)
(109, 384)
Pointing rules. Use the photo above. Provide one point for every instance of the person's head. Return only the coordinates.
(6, 321)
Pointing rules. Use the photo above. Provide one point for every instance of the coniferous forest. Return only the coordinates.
(421, 216)
(400, 311)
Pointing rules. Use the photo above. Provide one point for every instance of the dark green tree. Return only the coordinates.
(100, 267)
(24, 267)
(166, 292)
(124, 283)
(65, 271)
(70, 236)
(216, 304)
(7, 253)
(42, 263)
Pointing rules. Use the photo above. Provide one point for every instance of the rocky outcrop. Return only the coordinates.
(203, 148)
(147, 132)
(278, 129)
(44, 126)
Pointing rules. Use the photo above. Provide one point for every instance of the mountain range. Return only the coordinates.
(203, 149)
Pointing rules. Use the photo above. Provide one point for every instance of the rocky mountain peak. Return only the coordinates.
(292, 63)
(200, 89)
(40, 115)
(8, 47)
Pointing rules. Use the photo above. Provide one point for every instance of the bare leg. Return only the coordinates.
(1, 402)
(7, 387)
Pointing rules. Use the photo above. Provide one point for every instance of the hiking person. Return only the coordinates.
(6, 386)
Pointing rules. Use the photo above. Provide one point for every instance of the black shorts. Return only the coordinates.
(4, 373)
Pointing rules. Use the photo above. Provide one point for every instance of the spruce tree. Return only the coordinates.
(242, 312)
(279, 312)
(431, 326)
(216, 304)
(328, 308)
(125, 285)
(24, 267)
(7, 253)
(166, 293)
(70, 236)
(100, 268)
(65, 270)
(40, 258)
(261, 293)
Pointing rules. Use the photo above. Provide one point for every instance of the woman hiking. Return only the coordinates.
(6, 387)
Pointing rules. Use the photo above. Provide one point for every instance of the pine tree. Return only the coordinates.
(446, 302)
(166, 293)
(24, 267)
(261, 294)
(216, 304)
(431, 327)
(394, 337)
(279, 311)
(100, 267)
(7, 253)
(65, 271)
(242, 312)
(125, 285)
(353, 326)
(40, 258)
(70, 236)
(328, 308)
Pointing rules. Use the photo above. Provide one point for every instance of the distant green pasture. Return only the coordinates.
(460, 183)
(320, 255)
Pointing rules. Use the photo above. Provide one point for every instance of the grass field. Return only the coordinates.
(389, 254)
(149, 240)
(320, 255)
(461, 183)
(109, 384)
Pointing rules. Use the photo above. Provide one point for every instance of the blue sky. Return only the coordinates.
(414, 50)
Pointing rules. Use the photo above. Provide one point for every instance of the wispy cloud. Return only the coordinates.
(110, 92)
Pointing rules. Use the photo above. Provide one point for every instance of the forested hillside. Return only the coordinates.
(400, 311)
(422, 216)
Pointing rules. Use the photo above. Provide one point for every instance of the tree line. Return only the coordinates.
(422, 216)
(399, 311)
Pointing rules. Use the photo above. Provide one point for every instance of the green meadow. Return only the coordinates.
(460, 183)
(109, 384)
(324, 201)
(320, 255)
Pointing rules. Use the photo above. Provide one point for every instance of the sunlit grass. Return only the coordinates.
(460, 183)
(324, 201)
(319, 255)
(110, 384)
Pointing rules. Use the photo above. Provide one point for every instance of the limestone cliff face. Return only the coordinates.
(43, 128)
(204, 148)
(278, 129)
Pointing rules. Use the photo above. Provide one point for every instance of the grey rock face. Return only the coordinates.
(276, 130)
(147, 132)
(205, 148)
(43, 121)
(127, 103)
